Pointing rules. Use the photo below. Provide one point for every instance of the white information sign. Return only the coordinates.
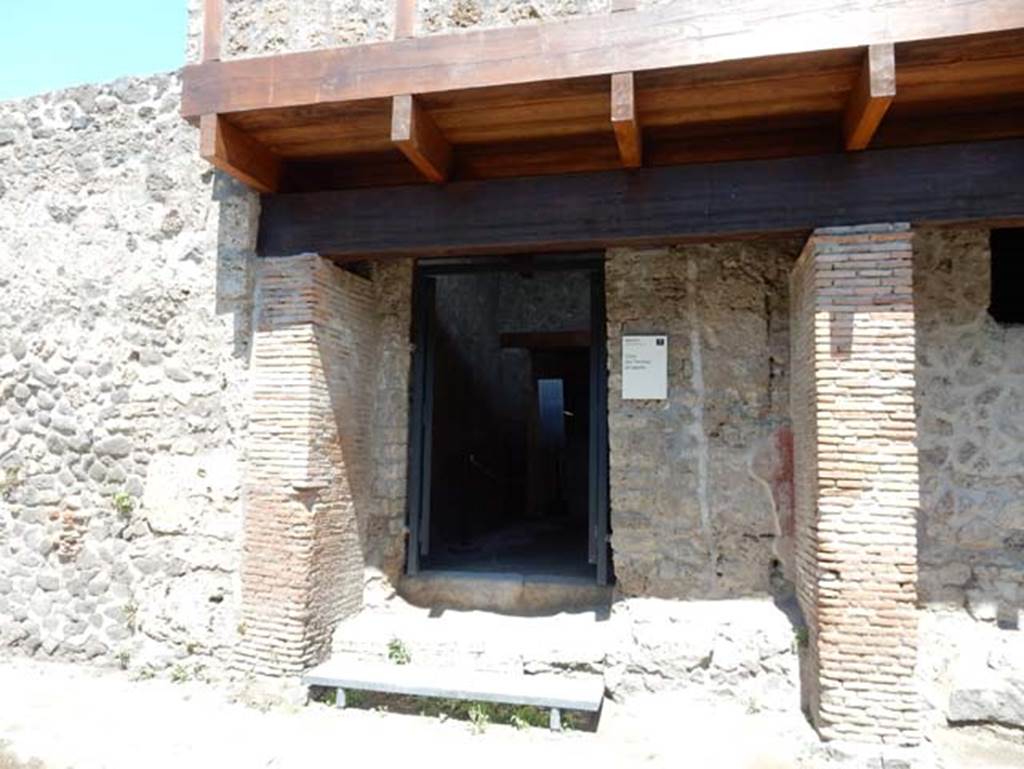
(644, 367)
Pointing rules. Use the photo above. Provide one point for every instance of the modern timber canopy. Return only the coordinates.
(681, 83)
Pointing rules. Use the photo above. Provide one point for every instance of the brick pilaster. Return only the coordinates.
(311, 398)
(856, 480)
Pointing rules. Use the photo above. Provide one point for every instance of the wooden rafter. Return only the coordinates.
(871, 97)
(944, 183)
(405, 19)
(213, 29)
(223, 145)
(414, 132)
(671, 35)
(624, 120)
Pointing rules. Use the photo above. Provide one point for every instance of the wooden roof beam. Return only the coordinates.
(237, 153)
(871, 96)
(624, 120)
(670, 35)
(416, 134)
(941, 183)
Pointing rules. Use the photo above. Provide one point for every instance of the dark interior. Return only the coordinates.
(510, 422)
(1007, 296)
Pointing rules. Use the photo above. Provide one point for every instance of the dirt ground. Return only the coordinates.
(56, 716)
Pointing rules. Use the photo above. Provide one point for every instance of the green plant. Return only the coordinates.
(123, 658)
(131, 615)
(124, 503)
(479, 717)
(10, 482)
(525, 716)
(179, 674)
(354, 698)
(801, 636)
(478, 714)
(572, 722)
(145, 673)
(326, 695)
(398, 653)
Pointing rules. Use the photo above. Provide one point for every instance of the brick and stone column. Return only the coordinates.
(856, 480)
(306, 474)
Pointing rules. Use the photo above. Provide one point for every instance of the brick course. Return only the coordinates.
(857, 480)
(308, 479)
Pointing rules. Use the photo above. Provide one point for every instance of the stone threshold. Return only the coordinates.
(505, 592)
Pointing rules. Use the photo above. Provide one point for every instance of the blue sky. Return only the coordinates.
(49, 44)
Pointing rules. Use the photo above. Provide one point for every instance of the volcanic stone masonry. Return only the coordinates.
(134, 407)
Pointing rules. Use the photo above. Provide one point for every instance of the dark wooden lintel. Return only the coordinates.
(942, 183)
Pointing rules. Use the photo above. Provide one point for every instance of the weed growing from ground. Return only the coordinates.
(479, 714)
(479, 717)
(179, 674)
(145, 673)
(124, 503)
(131, 615)
(398, 653)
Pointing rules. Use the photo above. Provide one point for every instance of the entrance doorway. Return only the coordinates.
(508, 457)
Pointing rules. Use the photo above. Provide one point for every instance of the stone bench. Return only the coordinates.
(577, 692)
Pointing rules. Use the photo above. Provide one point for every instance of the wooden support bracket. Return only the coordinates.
(871, 97)
(624, 120)
(231, 150)
(416, 134)
(405, 19)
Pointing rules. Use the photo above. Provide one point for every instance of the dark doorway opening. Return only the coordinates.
(508, 452)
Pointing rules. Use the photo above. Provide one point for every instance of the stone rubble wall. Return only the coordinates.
(125, 267)
(970, 400)
(383, 528)
(970, 424)
(700, 483)
(970, 672)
